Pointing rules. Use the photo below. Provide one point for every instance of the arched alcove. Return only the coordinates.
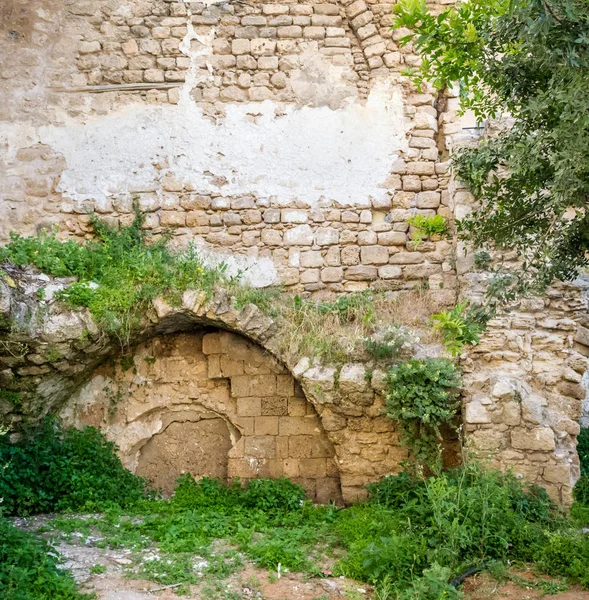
(211, 403)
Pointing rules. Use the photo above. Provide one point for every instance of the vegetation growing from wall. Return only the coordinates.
(422, 395)
(118, 274)
(461, 326)
(528, 59)
(427, 226)
(121, 271)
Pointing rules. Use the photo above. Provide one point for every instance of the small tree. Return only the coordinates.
(528, 59)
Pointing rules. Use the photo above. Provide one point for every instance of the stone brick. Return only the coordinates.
(170, 218)
(240, 47)
(292, 31)
(301, 235)
(356, 8)
(350, 255)
(308, 425)
(314, 33)
(374, 255)
(260, 446)
(539, 438)
(331, 274)
(428, 200)
(325, 236)
(392, 238)
(275, 406)
(361, 273)
(390, 272)
(249, 407)
(263, 47)
(266, 425)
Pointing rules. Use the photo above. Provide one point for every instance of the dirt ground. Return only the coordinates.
(82, 557)
(482, 587)
(251, 582)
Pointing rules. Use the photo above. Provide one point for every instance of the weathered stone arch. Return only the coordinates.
(210, 403)
(61, 349)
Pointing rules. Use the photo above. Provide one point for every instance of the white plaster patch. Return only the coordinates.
(257, 271)
(267, 149)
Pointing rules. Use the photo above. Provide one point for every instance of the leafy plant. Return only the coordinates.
(433, 585)
(426, 226)
(422, 395)
(385, 345)
(528, 59)
(460, 326)
(119, 273)
(52, 469)
(30, 569)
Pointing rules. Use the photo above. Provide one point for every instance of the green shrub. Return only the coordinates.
(566, 553)
(422, 395)
(433, 585)
(398, 556)
(119, 273)
(396, 491)
(268, 495)
(273, 495)
(460, 326)
(190, 494)
(29, 568)
(52, 469)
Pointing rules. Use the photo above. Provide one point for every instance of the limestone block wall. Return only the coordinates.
(209, 404)
(279, 137)
(283, 138)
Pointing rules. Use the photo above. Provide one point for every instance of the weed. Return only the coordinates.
(425, 226)
(422, 396)
(119, 273)
(97, 569)
(52, 469)
(460, 326)
(30, 569)
(386, 345)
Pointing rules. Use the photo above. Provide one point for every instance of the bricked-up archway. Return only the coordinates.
(210, 403)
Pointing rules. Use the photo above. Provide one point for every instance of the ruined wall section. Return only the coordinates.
(282, 137)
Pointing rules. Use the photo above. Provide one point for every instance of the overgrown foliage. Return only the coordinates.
(119, 273)
(410, 539)
(461, 326)
(528, 59)
(422, 395)
(29, 569)
(55, 469)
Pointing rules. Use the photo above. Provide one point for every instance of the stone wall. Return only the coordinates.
(210, 404)
(284, 139)
(281, 137)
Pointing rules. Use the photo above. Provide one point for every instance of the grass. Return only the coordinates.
(121, 271)
(409, 540)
